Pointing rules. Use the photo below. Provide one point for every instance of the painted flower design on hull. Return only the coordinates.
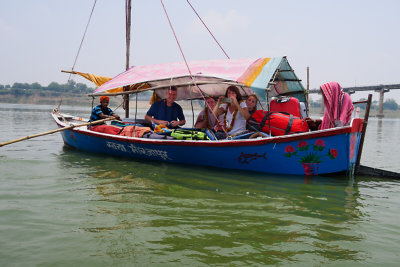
(310, 159)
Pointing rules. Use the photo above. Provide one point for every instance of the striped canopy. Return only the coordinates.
(212, 77)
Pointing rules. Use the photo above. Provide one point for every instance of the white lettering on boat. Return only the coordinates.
(115, 146)
(149, 152)
(139, 150)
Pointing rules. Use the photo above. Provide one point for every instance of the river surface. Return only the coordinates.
(62, 207)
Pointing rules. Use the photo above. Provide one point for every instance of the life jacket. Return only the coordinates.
(290, 105)
(281, 123)
(183, 134)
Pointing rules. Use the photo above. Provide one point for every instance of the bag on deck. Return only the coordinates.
(290, 105)
(104, 128)
(134, 131)
(184, 134)
(281, 123)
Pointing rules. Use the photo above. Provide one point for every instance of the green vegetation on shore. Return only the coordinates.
(71, 93)
(35, 93)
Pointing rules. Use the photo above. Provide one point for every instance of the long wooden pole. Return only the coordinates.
(55, 131)
(308, 90)
(364, 129)
(128, 42)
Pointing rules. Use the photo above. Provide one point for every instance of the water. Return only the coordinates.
(61, 207)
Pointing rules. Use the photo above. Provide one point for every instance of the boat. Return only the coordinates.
(335, 150)
(327, 151)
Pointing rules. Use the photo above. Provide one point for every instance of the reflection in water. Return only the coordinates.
(379, 131)
(193, 215)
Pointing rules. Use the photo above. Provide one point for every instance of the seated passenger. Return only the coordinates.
(338, 106)
(234, 111)
(251, 103)
(100, 112)
(206, 119)
(167, 112)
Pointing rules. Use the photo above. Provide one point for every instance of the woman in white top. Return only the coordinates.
(235, 113)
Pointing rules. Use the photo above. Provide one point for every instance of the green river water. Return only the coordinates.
(62, 207)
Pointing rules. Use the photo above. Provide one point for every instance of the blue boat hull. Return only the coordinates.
(314, 153)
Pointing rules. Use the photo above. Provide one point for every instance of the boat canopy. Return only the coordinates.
(212, 77)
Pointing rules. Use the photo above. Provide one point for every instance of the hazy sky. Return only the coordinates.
(354, 42)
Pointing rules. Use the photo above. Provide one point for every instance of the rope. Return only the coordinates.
(77, 54)
(83, 37)
(187, 66)
(215, 39)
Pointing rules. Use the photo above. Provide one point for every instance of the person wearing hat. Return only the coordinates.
(100, 112)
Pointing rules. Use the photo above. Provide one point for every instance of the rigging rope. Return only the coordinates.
(83, 37)
(215, 39)
(187, 66)
(80, 46)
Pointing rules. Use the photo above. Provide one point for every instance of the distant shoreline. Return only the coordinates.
(85, 101)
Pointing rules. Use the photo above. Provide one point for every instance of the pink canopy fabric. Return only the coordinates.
(338, 106)
(211, 76)
(231, 70)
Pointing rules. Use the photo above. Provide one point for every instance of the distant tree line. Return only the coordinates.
(389, 104)
(72, 87)
(54, 88)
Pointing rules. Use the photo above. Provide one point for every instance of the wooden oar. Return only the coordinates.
(55, 131)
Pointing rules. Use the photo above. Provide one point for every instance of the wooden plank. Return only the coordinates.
(375, 172)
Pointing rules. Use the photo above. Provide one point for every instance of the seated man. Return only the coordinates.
(100, 112)
(167, 112)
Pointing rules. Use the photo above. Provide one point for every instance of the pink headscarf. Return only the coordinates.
(338, 106)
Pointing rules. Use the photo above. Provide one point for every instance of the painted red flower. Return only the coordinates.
(320, 142)
(289, 149)
(333, 152)
(302, 144)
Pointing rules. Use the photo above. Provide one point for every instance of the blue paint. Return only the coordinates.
(258, 155)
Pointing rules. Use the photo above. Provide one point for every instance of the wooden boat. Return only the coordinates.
(311, 153)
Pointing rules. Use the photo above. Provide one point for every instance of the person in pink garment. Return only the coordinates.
(338, 106)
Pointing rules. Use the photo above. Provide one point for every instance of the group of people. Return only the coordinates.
(230, 113)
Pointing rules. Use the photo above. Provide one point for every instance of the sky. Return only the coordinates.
(353, 42)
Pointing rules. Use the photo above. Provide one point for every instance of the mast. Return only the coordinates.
(128, 42)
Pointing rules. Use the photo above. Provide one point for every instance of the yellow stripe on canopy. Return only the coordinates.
(96, 79)
(253, 71)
